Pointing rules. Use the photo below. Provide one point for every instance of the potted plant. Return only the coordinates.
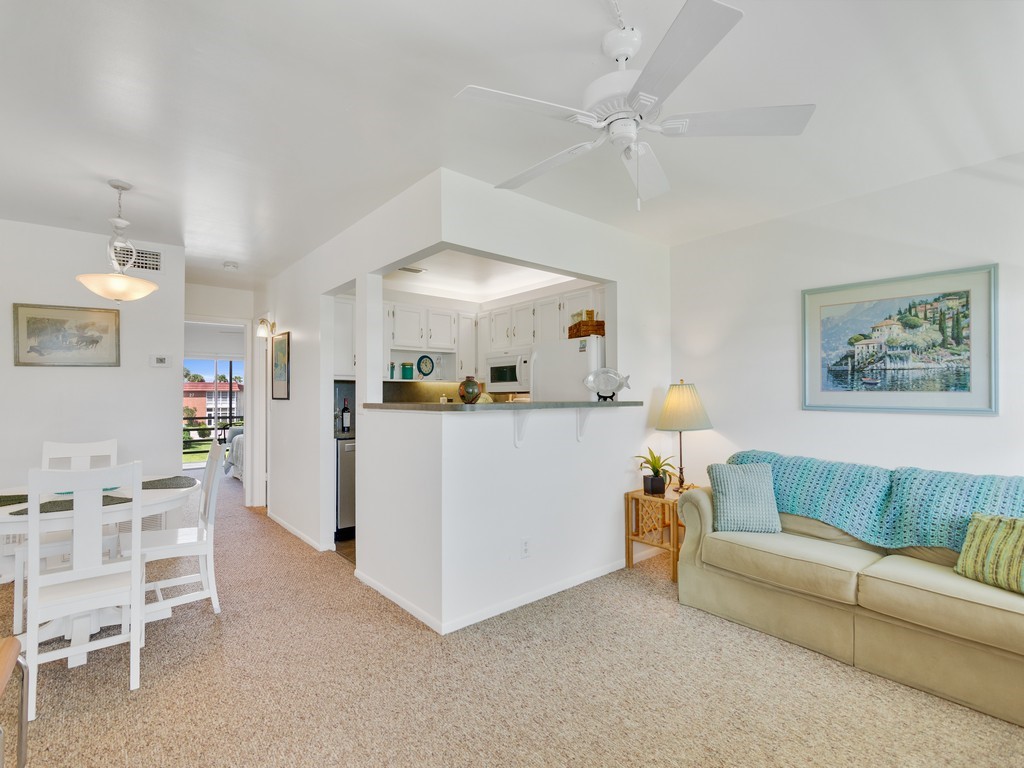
(654, 483)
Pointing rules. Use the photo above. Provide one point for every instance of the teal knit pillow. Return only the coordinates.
(744, 498)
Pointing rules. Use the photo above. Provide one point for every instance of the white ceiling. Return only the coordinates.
(255, 130)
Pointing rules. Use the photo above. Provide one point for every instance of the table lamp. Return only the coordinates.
(682, 412)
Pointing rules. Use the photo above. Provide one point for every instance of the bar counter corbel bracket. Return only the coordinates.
(519, 419)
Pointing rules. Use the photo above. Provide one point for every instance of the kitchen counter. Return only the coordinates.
(489, 407)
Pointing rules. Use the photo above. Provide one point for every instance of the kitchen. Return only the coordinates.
(433, 338)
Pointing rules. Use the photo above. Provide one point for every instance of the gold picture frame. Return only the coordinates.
(57, 336)
(281, 366)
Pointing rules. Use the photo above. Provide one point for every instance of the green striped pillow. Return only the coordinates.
(993, 551)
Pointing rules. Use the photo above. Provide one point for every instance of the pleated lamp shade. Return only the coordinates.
(683, 411)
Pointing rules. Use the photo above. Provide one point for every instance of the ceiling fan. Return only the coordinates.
(625, 102)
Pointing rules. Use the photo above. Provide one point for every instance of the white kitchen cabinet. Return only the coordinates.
(575, 302)
(547, 319)
(522, 325)
(408, 331)
(441, 329)
(465, 356)
(344, 337)
(483, 338)
(501, 328)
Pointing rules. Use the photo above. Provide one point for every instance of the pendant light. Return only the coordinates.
(116, 285)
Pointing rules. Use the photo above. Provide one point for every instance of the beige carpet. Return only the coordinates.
(306, 666)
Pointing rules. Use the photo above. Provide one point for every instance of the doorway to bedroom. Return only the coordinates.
(212, 395)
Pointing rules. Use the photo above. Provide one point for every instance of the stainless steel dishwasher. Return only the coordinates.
(346, 489)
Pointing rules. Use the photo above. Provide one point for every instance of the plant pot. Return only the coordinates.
(654, 486)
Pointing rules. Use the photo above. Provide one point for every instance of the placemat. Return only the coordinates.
(178, 481)
(63, 505)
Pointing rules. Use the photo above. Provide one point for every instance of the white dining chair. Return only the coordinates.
(101, 453)
(91, 582)
(185, 542)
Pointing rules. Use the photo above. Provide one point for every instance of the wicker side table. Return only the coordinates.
(647, 518)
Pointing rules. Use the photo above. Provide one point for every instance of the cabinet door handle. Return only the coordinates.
(506, 333)
(513, 331)
(460, 365)
(431, 334)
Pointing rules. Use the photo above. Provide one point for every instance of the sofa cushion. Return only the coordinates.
(933, 596)
(993, 551)
(744, 499)
(807, 526)
(851, 497)
(799, 563)
(932, 508)
(940, 555)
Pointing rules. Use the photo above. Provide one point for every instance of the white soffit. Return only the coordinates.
(453, 274)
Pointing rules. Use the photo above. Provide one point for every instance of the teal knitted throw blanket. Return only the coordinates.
(904, 507)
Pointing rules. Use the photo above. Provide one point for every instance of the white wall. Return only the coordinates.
(453, 210)
(736, 321)
(138, 404)
(207, 301)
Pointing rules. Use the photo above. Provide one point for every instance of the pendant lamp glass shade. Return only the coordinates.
(116, 285)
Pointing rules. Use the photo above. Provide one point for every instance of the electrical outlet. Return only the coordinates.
(524, 548)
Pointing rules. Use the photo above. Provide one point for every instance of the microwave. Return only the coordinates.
(508, 373)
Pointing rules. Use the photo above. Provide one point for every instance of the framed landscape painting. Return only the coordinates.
(66, 336)
(918, 343)
(280, 355)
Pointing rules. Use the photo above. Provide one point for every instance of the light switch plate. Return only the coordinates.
(159, 361)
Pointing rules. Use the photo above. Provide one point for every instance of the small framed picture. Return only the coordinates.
(66, 336)
(280, 383)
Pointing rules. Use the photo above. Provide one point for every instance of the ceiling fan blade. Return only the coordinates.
(751, 121)
(698, 28)
(554, 161)
(649, 179)
(546, 108)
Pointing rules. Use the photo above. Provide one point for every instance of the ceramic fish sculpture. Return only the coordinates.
(606, 382)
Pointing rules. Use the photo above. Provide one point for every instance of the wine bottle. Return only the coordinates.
(346, 418)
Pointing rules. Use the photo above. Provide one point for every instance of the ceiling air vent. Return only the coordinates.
(143, 259)
(414, 270)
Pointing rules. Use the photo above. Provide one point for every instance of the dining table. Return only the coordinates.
(162, 495)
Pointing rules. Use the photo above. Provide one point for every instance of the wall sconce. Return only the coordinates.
(265, 328)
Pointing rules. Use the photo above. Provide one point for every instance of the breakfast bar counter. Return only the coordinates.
(512, 406)
(468, 511)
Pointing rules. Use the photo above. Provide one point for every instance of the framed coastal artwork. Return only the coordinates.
(280, 355)
(918, 343)
(66, 336)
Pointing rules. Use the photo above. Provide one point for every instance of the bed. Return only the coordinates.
(234, 459)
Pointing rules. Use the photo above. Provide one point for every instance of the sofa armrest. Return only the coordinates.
(695, 513)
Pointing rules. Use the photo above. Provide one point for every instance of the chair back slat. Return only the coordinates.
(211, 483)
(85, 489)
(102, 453)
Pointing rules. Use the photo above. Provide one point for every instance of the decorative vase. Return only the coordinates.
(654, 486)
(469, 390)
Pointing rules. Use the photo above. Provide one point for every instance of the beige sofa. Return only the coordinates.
(903, 614)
